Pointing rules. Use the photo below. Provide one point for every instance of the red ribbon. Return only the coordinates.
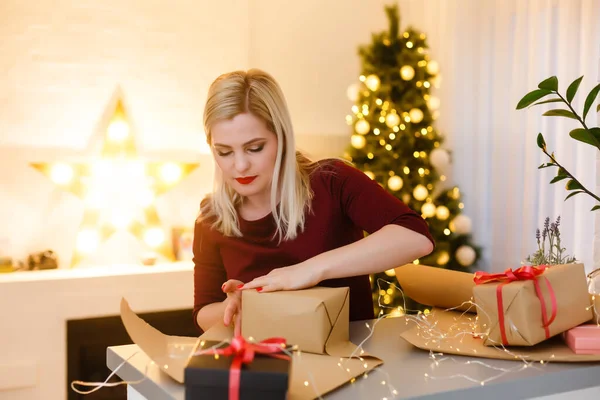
(521, 274)
(243, 352)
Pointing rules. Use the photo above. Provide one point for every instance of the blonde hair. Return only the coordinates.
(256, 92)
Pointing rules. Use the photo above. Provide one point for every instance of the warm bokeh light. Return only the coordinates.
(61, 174)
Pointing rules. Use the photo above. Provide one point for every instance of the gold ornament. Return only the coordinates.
(416, 115)
(442, 213)
(433, 67)
(372, 82)
(395, 183)
(407, 72)
(461, 224)
(392, 119)
(420, 192)
(465, 255)
(358, 141)
(362, 127)
(428, 210)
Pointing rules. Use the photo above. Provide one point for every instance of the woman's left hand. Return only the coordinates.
(294, 277)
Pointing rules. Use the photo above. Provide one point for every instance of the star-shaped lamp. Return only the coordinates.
(118, 189)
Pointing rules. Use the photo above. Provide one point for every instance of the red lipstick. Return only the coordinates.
(246, 180)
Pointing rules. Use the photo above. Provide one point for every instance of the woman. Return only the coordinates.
(278, 221)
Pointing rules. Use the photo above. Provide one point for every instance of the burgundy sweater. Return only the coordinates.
(346, 202)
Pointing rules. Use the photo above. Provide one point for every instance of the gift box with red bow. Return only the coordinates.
(528, 305)
(239, 370)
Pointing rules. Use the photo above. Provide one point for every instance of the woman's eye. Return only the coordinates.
(223, 154)
(256, 149)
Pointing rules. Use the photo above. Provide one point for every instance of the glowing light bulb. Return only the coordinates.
(154, 237)
(392, 120)
(170, 173)
(358, 141)
(395, 183)
(416, 115)
(118, 130)
(428, 210)
(61, 174)
(372, 82)
(362, 127)
(87, 241)
(420, 192)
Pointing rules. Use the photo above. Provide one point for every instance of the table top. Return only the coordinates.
(407, 372)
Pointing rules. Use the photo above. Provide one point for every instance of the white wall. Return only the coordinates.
(62, 61)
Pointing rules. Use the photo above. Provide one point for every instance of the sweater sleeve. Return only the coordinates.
(369, 205)
(209, 272)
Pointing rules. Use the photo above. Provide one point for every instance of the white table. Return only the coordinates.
(405, 367)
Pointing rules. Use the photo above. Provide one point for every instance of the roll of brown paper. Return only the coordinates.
(437, 287)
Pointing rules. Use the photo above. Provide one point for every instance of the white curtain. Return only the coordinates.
(491, 54)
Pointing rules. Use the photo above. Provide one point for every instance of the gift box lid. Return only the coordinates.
(585, 336)
(263, 373)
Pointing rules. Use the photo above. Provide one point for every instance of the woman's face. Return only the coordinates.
(246, 151)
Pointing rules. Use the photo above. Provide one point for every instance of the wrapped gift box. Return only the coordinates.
(207, 376)
(522, 307)
(584, 339)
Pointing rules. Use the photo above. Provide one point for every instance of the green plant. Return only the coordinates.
(588, 135)
(554, 253)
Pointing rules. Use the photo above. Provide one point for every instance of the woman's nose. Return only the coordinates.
(241, 163)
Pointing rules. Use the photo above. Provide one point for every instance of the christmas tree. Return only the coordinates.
(395, 143)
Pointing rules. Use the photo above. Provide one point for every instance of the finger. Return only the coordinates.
(230, 311)
(272, 287)
(256, 283)
(231, 285)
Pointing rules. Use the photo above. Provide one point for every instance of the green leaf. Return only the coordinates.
(531, 97)
(549, 84)
(560, 113)
(598, 108)
(589, 136)
(595, 208)
(558, 178)
(573, 185)
(545, 165)
(572, 89)
(541, 142)
(590, 100)
(548, 101)
(573, 194)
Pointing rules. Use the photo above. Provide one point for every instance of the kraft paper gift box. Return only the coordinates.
(519, 310)
(316, 320)
(208, 376)
(448, 291)
(583, 339)
(171, 354)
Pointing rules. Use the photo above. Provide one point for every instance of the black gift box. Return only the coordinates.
(265, 378)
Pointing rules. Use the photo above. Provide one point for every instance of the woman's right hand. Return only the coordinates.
(233, 308)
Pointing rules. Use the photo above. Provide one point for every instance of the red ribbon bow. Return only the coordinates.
(243, 352)
(520, 274)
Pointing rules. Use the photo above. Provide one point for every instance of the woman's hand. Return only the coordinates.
(233, 308)
(294, 277)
